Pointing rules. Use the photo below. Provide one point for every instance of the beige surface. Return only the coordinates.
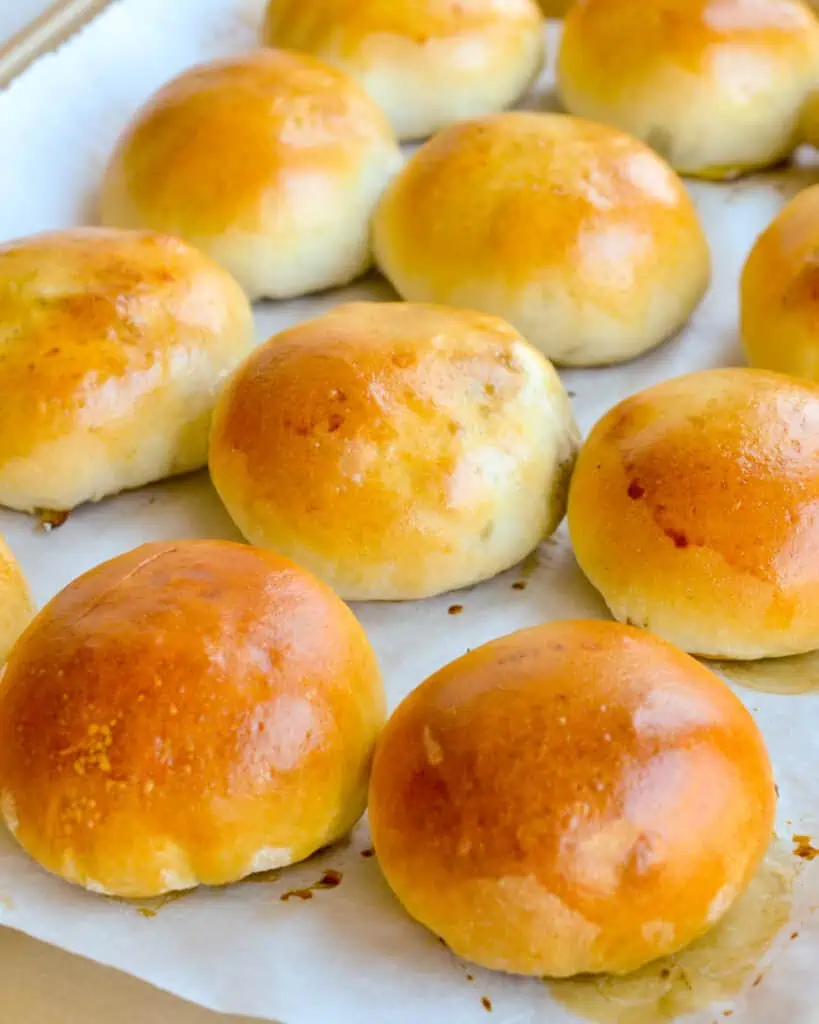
(44, 985)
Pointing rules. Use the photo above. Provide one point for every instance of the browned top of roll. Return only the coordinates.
(693, 510)
(630, 39)
(576, 797)
(172, 709)
(211, 147)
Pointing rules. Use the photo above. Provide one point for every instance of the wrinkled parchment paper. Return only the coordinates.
(348, 955)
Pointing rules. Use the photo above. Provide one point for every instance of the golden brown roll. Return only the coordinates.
(16, 606)
(779, 300)
(427, 63)
(395, 450)
(716, 86)
(575, 233)
(693, 512)
(578, 797)
(113, 346)
(270, 162)
(187, 713)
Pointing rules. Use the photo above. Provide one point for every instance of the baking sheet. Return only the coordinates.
(349, 954)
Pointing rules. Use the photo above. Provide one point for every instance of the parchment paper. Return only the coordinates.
(348, 954)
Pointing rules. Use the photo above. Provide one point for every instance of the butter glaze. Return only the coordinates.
(146, 747)
(576, 233)
(576, 797)
(113, 348)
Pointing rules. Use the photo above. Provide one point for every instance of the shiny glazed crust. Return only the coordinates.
(186, 713)
(113, 347)
(578, 235)
(779, 307)
(693, 512)
(578, 797)
(270, 162)
(396, 450)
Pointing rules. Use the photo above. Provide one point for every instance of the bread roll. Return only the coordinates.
(395, 450)
(573, 798)
(779, 301)
(427, 63)
(16, 607)
(270, 162)
(113, 346)
(715, 86)
(575, 233)
(693, 512)
(187, 713)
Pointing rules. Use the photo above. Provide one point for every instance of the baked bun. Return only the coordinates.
(16, 607)
(716, 86)
(113, 346)
(186, 713)
(693, 512)
(575, 233)
(395, 450)
(271, 162)
(427, 63)
(779, 301)
(578, 797)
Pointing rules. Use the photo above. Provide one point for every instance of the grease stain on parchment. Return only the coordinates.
(713, 969)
